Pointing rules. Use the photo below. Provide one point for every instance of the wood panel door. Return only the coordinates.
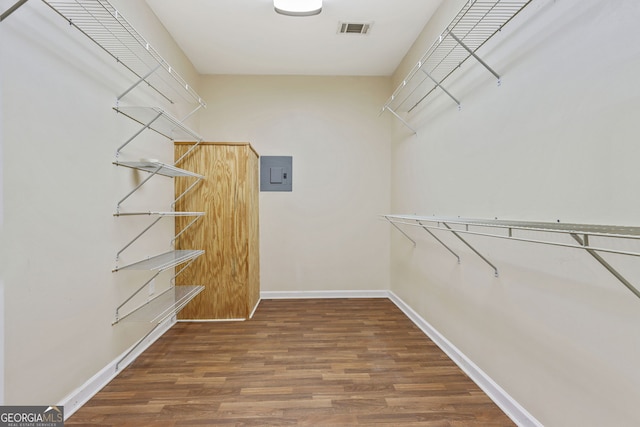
(228, 232)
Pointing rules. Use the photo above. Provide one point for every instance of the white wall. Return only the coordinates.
(558, 140)
(325, 235)
(555, 141)
(59, 238)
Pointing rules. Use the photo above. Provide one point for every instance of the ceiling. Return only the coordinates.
(249, 37)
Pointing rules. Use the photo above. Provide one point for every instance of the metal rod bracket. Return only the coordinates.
(472, 53)
(439, 241)
(585, 243)
(401, 231)
(12, 9)
(401, 119)
(437, 83)
(495, 269)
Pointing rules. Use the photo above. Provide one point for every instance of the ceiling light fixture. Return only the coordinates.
(298, 7)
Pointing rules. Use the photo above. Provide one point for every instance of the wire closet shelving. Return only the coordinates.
(475, 23)
(582, 236)
(103, 24)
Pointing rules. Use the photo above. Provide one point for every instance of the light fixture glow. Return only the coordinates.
(298, 7)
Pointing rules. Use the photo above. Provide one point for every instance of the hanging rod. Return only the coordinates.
(504, 229)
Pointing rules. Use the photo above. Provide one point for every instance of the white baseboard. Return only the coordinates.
(239, 319)
(255, 308)
(323, 294)
(74, 400)
(500, 397)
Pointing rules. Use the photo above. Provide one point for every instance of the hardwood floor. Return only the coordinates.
(326, 362)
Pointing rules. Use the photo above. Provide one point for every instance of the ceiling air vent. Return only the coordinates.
(354, 27)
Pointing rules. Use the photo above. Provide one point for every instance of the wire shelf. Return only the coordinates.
(157, 119)
(616, 231)
(476, 23)
(104, 25)
(165, 305)
(159, 168)
(163, 261)
(152, 213)
(580, 234)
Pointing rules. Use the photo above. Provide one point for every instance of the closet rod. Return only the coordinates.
(580, 233)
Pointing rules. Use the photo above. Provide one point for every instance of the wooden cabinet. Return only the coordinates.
(228, 232)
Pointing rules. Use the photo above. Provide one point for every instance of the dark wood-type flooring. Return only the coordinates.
(326, 362)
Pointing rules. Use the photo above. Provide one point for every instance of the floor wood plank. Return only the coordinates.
(327, 362)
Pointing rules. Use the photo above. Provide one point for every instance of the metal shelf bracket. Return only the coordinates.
(439, 241)
(437, 83)
(160, 215)
(173, 241)
(472, 53)
(400, 118)
(585, 243)
(12, 9)
(144, 181)
(495, 269)
(135, 135)
(401, 231)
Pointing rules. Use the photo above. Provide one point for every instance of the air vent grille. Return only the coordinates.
(354, 27)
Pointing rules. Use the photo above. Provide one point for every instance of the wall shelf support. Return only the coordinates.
(439, 241)
(437, 83)
(495, 269)
(585, 242)
(199, 106)
(143, 182)
(160, 215)
(184, 193)
(137, 237)
(400, 118)
(11, 9)
(135, 135)
(401, 231)
(118, 317)
(140, 80)
(472, 53)
(173, 241)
